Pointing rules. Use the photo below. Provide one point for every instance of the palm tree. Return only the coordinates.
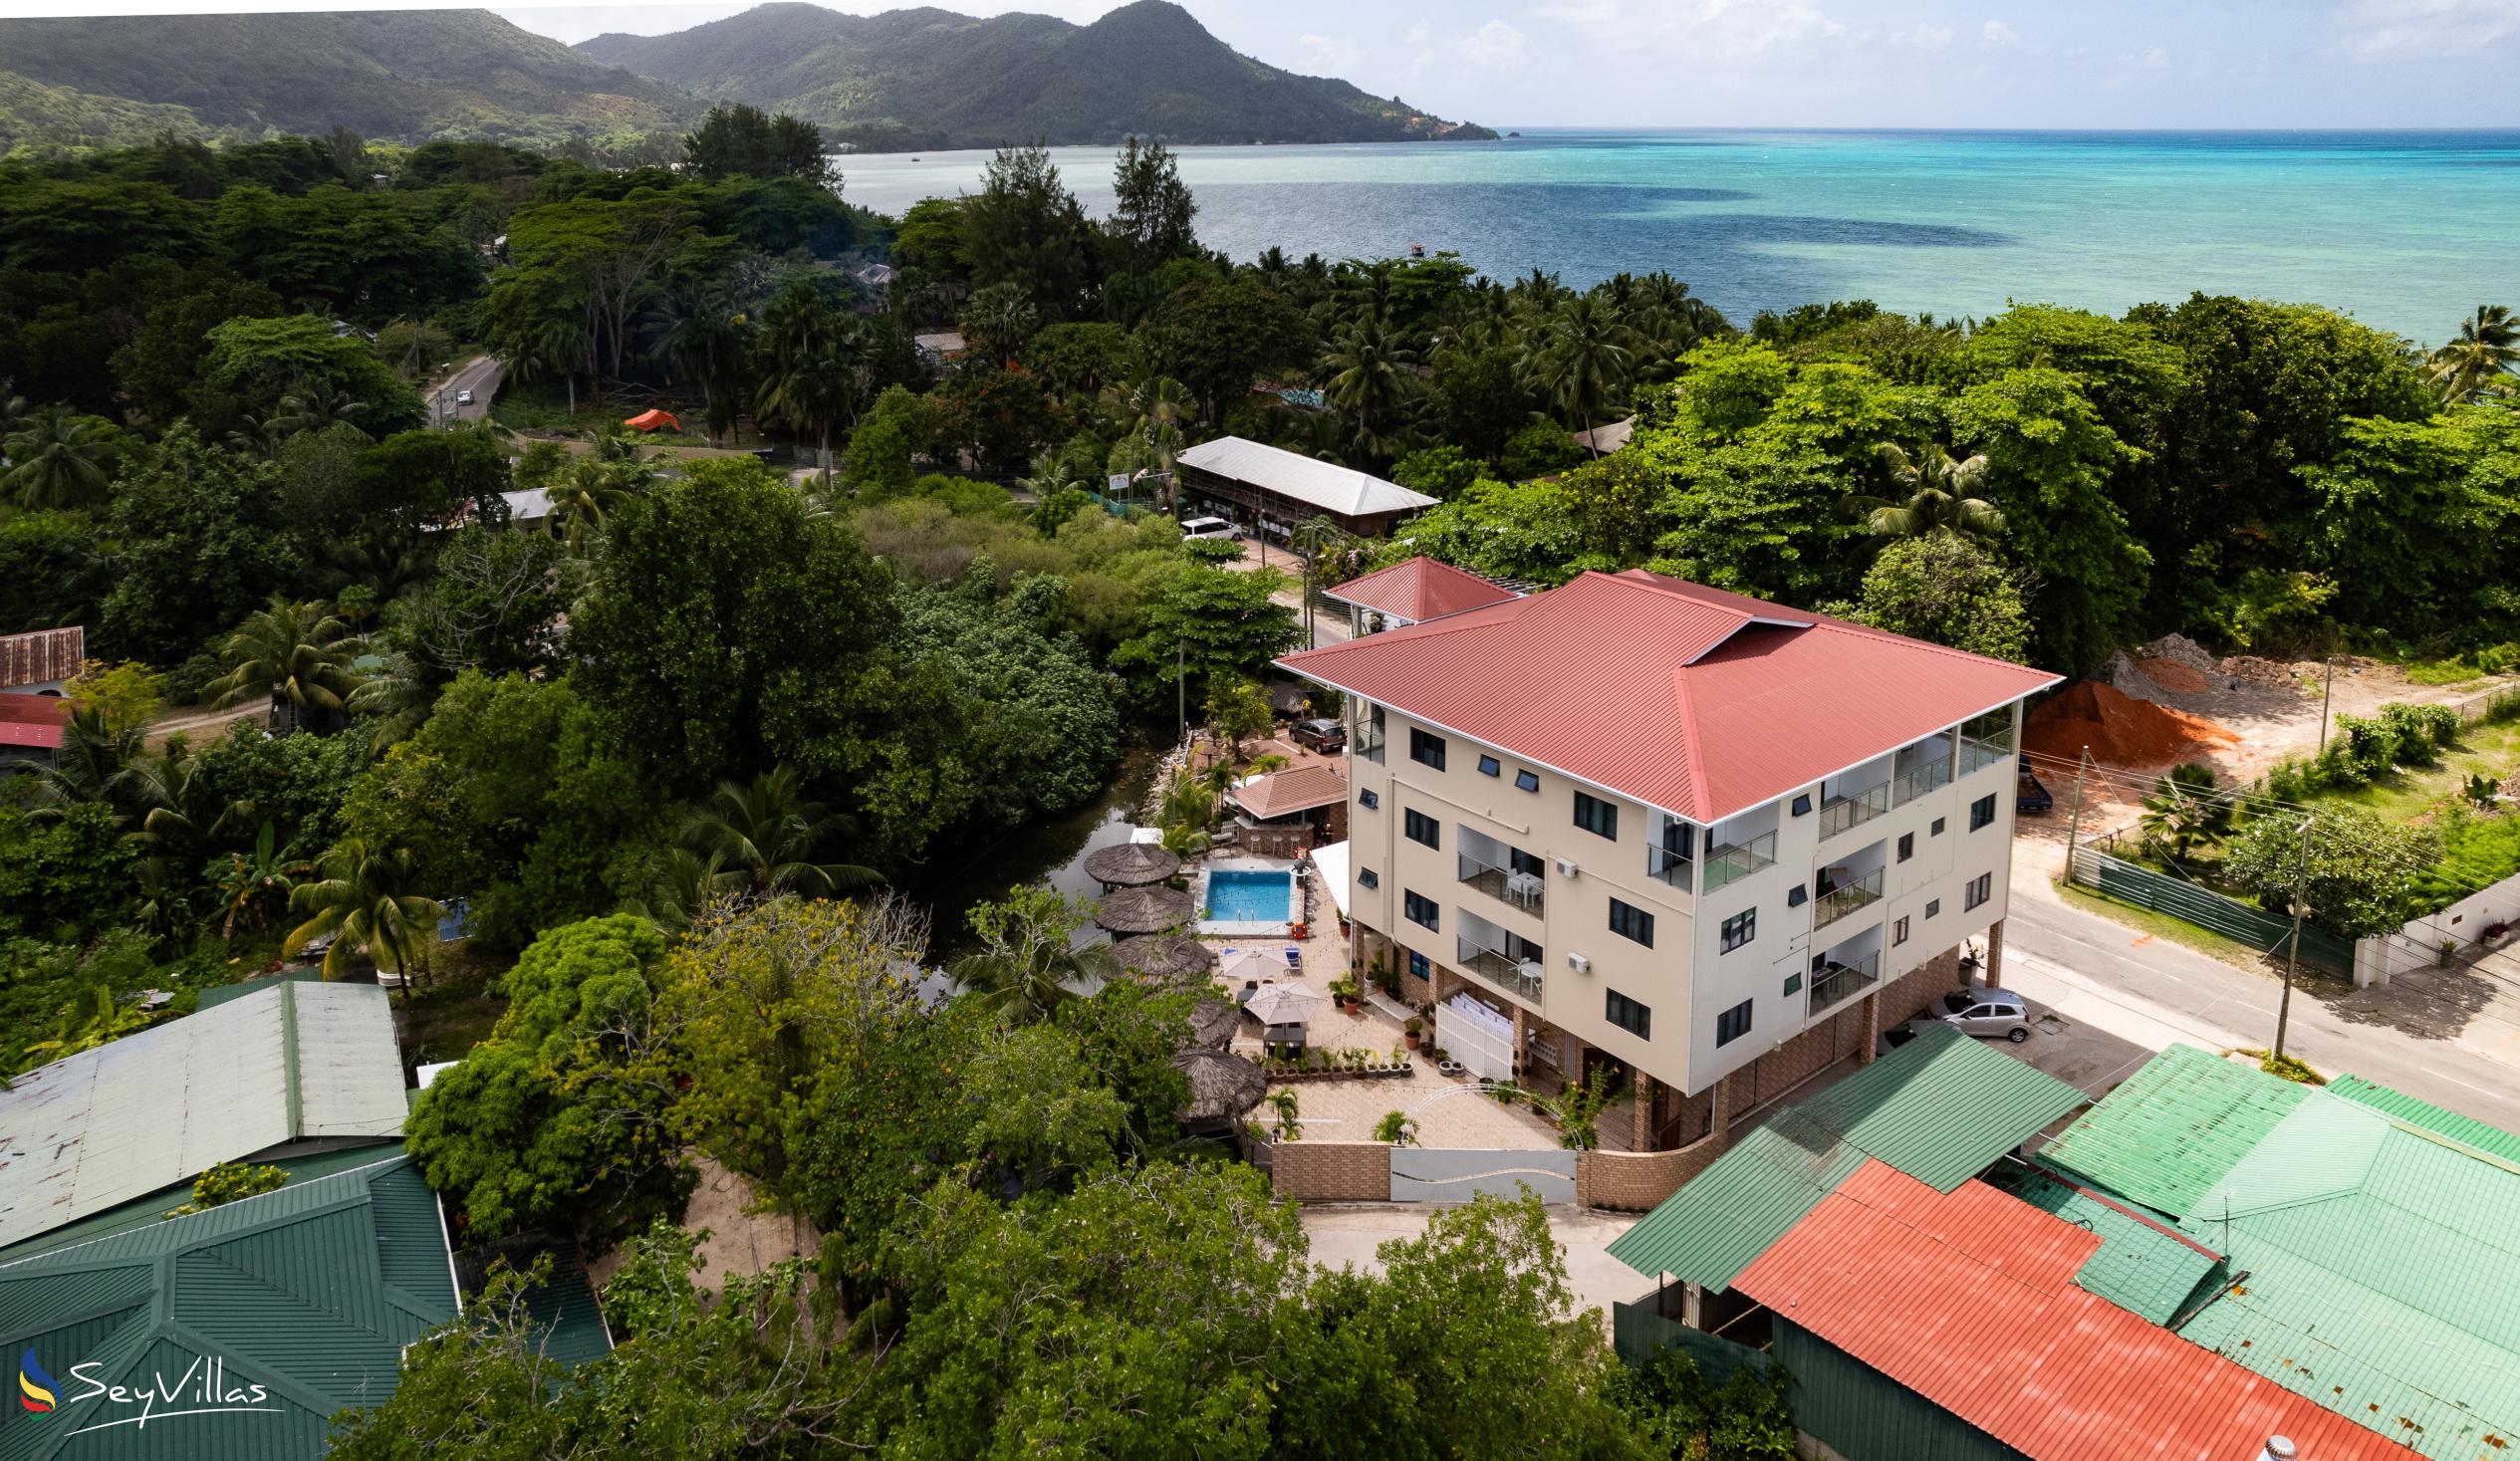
(1028, 964)
(179, 811)
(700, 336)
(558, 345)
(251, 882)
(2483, 357)
(819, 391)
(361, 898)
(2187, 807)
(297, 653)
(59, 459)
(584, 496)
(1942, 497)
(399, 695)
(764, 833)
(316, 405)
(1365, 376)
(1583, 356)
(90, 764)
(684, 884)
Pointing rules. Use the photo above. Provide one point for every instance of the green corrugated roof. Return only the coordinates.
(309, 1292)
(2174, 1129)
(2493, 1140)
(1940, 1108)
(149, 1210)
(2143, 1267)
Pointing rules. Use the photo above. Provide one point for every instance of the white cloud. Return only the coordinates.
(1334, 55)
(1925, 37)
(2155, 59)
(1495, 45)
(1418, 33)
(2379, 30)
(1999, 34)
(1730, 30)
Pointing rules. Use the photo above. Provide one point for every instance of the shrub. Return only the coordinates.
(2502, 707)
(1537, 450)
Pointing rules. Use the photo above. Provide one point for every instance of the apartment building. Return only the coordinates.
(1666, 825)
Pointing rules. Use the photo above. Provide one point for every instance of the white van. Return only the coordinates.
(1209, 528)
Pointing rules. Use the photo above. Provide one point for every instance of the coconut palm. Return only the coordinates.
(2187, 807)
(399, 695)
(700, 337)
(60, 459)
(2483, 359)
(315, 406)
(764, 834)
(361, 897)
(1583, 356)
(89, 765)
(684, 884)
(297, 653)
(1028, 964)
(249, 883)
(179, 810)
(1942, 497)
(586, 495)
(1364, 367)
(819, 390)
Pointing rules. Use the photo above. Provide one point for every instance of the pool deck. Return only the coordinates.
(1237, 928)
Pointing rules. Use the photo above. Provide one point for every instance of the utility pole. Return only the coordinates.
(2326, 691)
(1181, 692)
(2074, 823)
(2292, 960)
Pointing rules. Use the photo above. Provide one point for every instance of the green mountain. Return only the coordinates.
(933, 78)
(404, 75)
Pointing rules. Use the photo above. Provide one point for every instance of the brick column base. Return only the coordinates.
(1872, 1033)
(1995, 955)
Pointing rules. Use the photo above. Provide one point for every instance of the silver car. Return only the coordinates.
(1987, 1013)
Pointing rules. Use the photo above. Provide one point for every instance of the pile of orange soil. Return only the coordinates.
(2120, 730)
(2171, 674)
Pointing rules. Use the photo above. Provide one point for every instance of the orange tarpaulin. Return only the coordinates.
(652, 421)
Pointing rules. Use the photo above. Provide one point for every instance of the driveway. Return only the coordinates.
(1345, 1235)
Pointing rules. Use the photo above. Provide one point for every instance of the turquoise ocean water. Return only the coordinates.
(2406, 231)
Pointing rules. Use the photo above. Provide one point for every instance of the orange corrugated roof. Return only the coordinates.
(1420, 589)
(1691, 699)
(1296, 789)
(1969, 1301)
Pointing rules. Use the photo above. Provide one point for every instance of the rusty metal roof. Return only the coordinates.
(1420, 589)
(1700, 702)
(1968, 1298)
(41, 656)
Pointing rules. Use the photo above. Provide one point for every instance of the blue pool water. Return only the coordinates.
(1241, 896)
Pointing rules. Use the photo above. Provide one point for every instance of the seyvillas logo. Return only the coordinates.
(202, 1389)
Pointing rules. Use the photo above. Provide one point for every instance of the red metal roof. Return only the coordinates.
(1420, 589)
(1969, 1301)
(33, 720)
(1296, 789)
(1691, 699)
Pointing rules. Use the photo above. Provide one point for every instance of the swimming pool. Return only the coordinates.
(1246, 896)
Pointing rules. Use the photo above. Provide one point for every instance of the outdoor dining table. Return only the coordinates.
(1523, 887)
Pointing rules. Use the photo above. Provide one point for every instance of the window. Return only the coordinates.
(1938, 826)
(1420, 910)
(1732, 1023)
(1424, 749)
(1794, 896)
(1368, 877)
(1980, 888)
(1899, 932)
(1982, 812)
(1596, 815)
(1417, 965)
(1629, 922)
(1793, 984)
(1369, 801)
(1423, 828)
(1525, 781)
(1906, 846)
(1932, 906)
(1739, 930)
(1628, 1015)
(1802, 805)
(1488, 766)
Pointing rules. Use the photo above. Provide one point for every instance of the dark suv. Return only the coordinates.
(1321, 734)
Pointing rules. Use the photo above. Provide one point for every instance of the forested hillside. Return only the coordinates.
(929, 78)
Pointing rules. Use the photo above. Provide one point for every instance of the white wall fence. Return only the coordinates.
(2420, 943)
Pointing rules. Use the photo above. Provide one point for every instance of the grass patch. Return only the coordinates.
(2413, 793)
(2454, 672)
(2285, 1067)
(2162, 927)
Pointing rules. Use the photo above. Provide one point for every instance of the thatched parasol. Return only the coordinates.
(1165, 958)
(1131, 864)
(1143, 909)
(1222, 1086)
(1213, 1022)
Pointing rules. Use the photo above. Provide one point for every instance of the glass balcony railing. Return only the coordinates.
(1838, 902)
(1978, 755)
(1525, 891)
(1845, 813)
(1925, 777)
(1839, 982)
(1519, 977)
(1365, 737)
(1672, 869)
(1736, 860)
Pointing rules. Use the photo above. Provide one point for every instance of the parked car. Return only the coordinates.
(1321, 734)
(1986, 1013)
(1209, 528)
(463, 398)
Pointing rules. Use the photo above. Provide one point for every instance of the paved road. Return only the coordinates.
(481, 376)
(2141, 993)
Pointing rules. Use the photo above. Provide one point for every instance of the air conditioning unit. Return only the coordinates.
(1565, 868)
(1578, 963)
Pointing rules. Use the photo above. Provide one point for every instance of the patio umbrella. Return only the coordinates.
(1131, 864)
(1223, 1086)
(1143, 909)
(1242, 966)
(1283, 1003)
(1212, 1023)
(1165, 958)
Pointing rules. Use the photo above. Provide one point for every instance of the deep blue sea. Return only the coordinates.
(2406, 231)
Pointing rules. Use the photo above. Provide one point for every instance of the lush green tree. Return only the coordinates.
(763, 834)
(1619, 502)
(742, 139)
(1237, 709)
(886, 439)
(199, 546)
(1037, 723)
(52, 571)
(62, 460)
(1000, 418)
(492, 603)
(1946, 590)
(1219, 337)
(1438, 471)
(1538, 450)
(2397, 512)
(1502, 530)
(1151, 208)
(69, 874)
(421, 479)
(1939, 496)
(2359, 876)
(262, 361)
(1212, 623)
(1025, 228)
(1079, 358)
(1028, 963)
(1481, 399)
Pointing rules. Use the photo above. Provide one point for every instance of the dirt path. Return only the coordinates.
(191, 723)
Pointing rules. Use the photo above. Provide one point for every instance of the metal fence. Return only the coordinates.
(2259, 929)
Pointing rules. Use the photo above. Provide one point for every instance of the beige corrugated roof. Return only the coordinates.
(1325, 485)
(293, 1063)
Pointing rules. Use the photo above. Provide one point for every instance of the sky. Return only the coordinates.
(1800, 63)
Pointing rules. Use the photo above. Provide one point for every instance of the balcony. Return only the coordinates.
(1839, 982)
(1525, 891)
(1736, 860)
(1924, 779)
(1838, 902)
(1845, 813)
(1672, 869)
(1518, 977)
(1986, 741)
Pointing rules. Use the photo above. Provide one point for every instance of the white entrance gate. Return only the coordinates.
(1477, 1036)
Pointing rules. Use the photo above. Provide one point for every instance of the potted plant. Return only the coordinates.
(1413, 1026)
